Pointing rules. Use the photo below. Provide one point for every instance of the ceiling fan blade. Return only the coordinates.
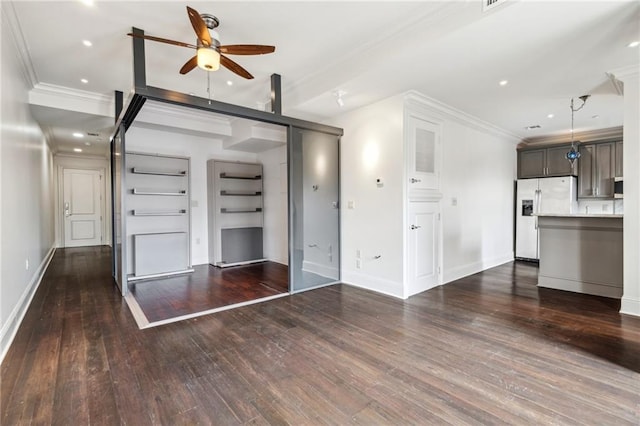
(189, 65)
(163, 40)
(232, 66)
(247, 49)
(199, 26)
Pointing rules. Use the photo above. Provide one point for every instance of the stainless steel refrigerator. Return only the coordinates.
(553, 195)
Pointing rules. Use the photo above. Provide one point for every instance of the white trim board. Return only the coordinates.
(144, 323)
(11, 326)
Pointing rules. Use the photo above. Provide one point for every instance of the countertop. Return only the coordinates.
(581, 215)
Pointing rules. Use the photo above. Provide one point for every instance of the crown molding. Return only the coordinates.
(580, 137)
(624, 73)
(70, 93)
(17, 36)
(416, 99)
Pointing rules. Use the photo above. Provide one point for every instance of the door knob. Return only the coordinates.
(415, 227)
(414, 180)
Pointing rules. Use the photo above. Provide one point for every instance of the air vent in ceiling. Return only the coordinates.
(490, 4)
(93, 134)
(535, 126)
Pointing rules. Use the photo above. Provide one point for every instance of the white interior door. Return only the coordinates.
(424, 247)
(82, 208)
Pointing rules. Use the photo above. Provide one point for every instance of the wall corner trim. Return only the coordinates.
(10, 327)
(8, 11)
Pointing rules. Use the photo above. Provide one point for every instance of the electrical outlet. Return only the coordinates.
(358, 254)
(454, 201)
(358, 264)
(351, 204)
(26, 264)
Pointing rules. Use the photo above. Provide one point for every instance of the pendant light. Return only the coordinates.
(574, 154)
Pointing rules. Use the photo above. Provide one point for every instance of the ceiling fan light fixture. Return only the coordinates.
(208, 58)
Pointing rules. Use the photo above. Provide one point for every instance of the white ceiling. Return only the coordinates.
(549, 51)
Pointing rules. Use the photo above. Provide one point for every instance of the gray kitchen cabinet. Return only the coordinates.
(596, 170)
(544, 162)
(619, 171)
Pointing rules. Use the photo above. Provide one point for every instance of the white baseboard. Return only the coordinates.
(630, 306)
(368, 282)
(10, 327)
(475, 267)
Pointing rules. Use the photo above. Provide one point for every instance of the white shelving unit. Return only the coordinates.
(158, 219)
(235, 213)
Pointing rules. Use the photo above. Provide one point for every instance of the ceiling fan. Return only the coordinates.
(209, 52)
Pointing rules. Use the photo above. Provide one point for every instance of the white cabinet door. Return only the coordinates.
(82, 208)
(423, 154)
(424, 247)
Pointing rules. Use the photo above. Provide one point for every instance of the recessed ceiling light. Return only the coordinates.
(84, 80)
(229, 83)
(550, 115)
(78, 135)
(635, 43)
(503, 82)
(77, 149)
(87, 2)
(87, 43)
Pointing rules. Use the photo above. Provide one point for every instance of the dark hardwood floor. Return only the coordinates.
(488, 349)
(209, 288)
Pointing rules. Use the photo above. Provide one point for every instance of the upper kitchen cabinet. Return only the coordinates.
(596, 170)
(544, 162)
(619, 171)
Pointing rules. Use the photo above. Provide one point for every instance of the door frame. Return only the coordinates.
(59, 217)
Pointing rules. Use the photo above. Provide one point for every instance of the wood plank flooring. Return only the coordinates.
(208, 288)
(491, 348)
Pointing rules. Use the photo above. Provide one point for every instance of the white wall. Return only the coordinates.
(200, 150)
(61, 162)
(630, 303)
(479, 168)
(275, 235)
(371, 148)
(26, 210)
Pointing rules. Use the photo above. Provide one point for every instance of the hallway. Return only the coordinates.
(488, 349)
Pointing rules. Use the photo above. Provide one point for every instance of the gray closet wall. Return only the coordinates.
(157, 204)
(235, 218)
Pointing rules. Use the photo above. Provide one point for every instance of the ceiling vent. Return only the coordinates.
(490, 4)
(93, 134)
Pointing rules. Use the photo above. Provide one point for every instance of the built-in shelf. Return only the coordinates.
(241, 193)
(140, 171)
(147, 192)
(240, 210)
(158, 213)
(227, 175)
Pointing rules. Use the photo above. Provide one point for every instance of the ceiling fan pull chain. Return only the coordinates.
(209, 86)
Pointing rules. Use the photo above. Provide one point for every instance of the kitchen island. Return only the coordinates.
(581, 253)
